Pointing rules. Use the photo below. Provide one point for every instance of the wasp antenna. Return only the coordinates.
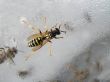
(11, 59)
(59, 26)
(64, 32)
(21, 51)
(51, 30)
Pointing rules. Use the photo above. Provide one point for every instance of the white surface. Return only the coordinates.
(86, 34)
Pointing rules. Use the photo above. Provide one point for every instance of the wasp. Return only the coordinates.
(37, 40)
(7, 53)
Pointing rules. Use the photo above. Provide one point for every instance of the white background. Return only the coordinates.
(90, 20)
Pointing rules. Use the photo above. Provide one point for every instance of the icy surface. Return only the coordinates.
(86, 44)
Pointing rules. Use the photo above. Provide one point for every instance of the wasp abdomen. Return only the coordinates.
(35, 42)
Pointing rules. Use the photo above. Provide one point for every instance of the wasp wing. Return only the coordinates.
(35, 48)
(25, 21)
(32, 37)
(32, 53)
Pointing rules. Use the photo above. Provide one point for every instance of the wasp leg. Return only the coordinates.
(49, 40)
(11, 58)
(40, 32)
(50, 49)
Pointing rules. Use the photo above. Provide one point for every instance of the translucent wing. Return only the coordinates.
(32, 37)
(44, 20)
(35, 36)
(25, 21)
(34, 49)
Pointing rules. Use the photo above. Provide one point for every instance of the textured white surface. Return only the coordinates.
(91, 32)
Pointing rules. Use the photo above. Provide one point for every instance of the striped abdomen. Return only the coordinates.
(35, 42)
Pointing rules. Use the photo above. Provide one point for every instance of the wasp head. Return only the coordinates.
(57, 31)
(14, 50)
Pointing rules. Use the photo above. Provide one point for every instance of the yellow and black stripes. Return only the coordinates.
(48, 35)
(35, 42)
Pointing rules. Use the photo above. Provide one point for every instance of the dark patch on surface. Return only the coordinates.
(79, 74)
(68, 26)
(88, 17)
(49, 81)
(96, 80)
(24, 73)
